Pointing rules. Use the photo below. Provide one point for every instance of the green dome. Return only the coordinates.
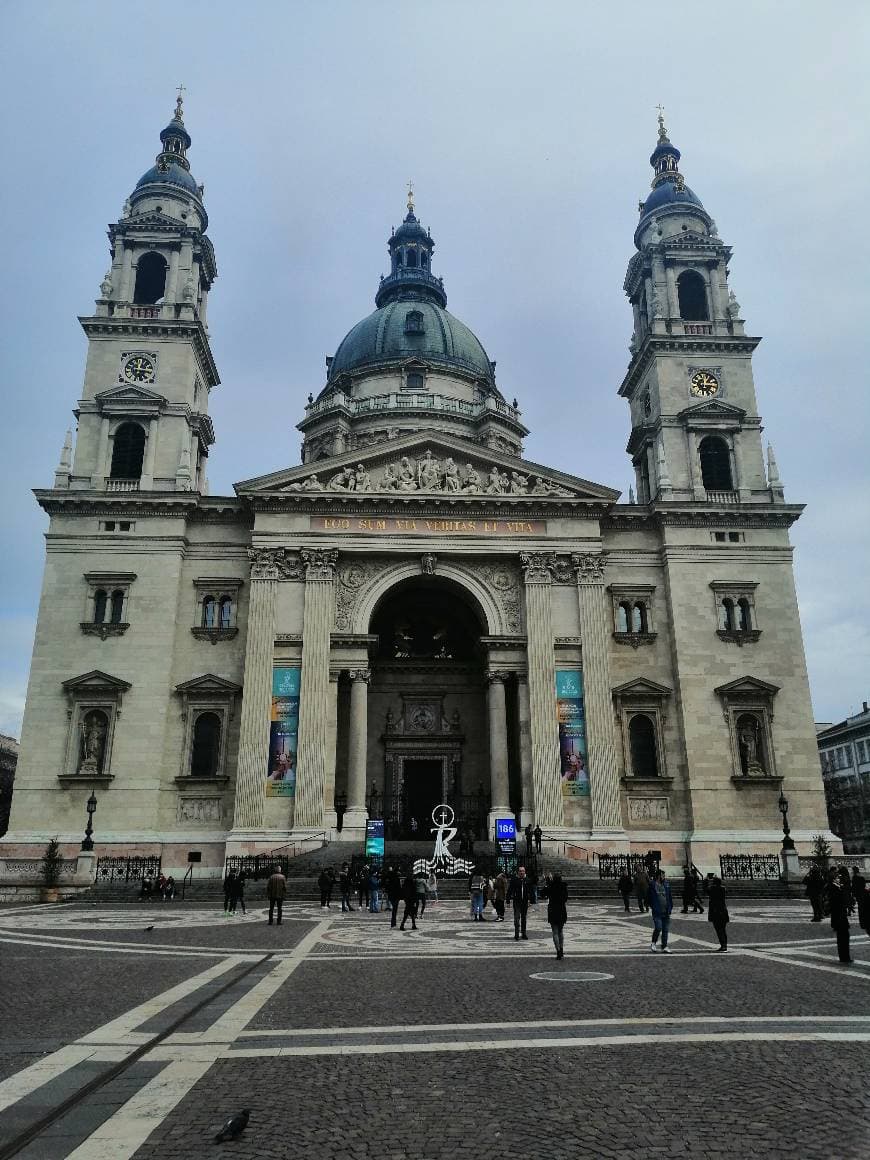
(408, 327)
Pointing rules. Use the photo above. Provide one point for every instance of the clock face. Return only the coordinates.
(704, 384)
(139, 369)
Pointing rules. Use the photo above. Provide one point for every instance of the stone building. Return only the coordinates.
(8, 762)
(415, 613)
(844, 752)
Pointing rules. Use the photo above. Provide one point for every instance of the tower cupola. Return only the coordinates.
(670, 194)
(410, 273)
(170, 172)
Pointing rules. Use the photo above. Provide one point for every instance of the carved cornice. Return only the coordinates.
(275, 564)
(320, 563)
(635, 639)
(739, 636)
(103, 630)
(589, 567)
(214, 634)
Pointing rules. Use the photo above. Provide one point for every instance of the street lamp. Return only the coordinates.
(88, 843)
(787, 841)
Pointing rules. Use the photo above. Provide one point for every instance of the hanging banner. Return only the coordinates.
(284, 732)
(571, 715)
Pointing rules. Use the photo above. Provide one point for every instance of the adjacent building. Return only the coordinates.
(844, 750)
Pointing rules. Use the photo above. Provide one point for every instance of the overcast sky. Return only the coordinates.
(527, 129)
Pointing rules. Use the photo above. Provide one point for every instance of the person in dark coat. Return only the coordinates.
(520, 894)
(409, 894)
(814, 884)
(864, 908)
(393, 891)
(661, 905)
(229, 891)
(857, 884)
(690, 893)
(530, 838)
(324, 884)
(839, 896)
(557, 914)
(539, 834)
(625, 887)
(238, 898)
(276, 891)
(717, 912)
(345, 886)
(641, 889)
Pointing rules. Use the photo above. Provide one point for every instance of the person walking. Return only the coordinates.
(717, 912)
(362, 886)
(229, 891)
(690, 893)
(520, 894)
(345, 886)
(324, 885)
(661, 904)
(625, 887)
(276, 892)
(432, 887)
(556, 893)
(409, 894)
(499, 894)
(530, 838)
(539, 834)
(641, 889)
(239, 898)
(814, 884)
(477, 890)
(838, 898)
(393, 890)
(420, 887)
(374, 891)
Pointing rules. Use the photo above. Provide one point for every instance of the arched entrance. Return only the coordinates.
(427, 722)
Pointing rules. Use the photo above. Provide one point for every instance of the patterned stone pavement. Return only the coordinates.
(347, 1037)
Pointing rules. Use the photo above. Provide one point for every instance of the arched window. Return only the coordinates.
(424, 259)
(638, 618)
(692, 295)
(399, 258)
(414, 322)
(744, 615)
(150, 279)
(644, 481)
(117, 609)
(715, 463)
(623, 617)
(128, 452)
(209, 612)
(726, 615)
(415, 381)
(101, 599)
(206, 745)
(225, 613)
(411, 258)
(642, 742)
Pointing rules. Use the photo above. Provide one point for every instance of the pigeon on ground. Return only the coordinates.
(149, 927)
(234, 1126)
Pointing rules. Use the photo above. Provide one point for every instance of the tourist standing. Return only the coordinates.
(499, 894)
(420, 886)
(393, 890)
(661, 904)
(864, 909)
(409, 894)
(362, 886)
(814, 883)
(477, 890)
(625, 887)
(239, 899)
(432, 887)
(520, 894)
(276, 891)
(538, 833)
(690, 893)
(530, 839)
(374, 891)
(324, 885)
(641, 889)
(345, 887)
(839, 895)
(857, 884)
(717, 912)
(229, 890)
(557, 914)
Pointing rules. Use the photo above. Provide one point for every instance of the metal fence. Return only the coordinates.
(615, 865)
(256, 865)
(749, 867)
(128, 869)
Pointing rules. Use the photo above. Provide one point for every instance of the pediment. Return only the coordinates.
(95, 680)
(429, 462)
(641, 687)
(207, 685)
(713, 409)
(747, 686)
(128, 393)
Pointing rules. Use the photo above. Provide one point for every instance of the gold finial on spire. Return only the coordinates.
(410, 197)
(663, 133)
(179, 100)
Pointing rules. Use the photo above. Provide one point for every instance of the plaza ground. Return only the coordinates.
(348, 1039)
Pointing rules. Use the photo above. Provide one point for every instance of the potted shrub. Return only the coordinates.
(821, 851)
(49, 871)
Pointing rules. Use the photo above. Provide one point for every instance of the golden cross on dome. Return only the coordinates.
(180, 89)
(410, 197)
(663, 133)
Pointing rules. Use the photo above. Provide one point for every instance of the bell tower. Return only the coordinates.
(695, 427)
(143, 422)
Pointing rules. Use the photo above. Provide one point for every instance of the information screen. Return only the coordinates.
(375, 837)
(506, 835)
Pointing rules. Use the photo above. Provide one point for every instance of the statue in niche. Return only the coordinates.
(473, 482)
(429, 473)
(428, 563)
(92, 744)
(407, 478)
(389, 480)
(750, 750)
(362, 479)
(451, 476)
(403, 641)
(519, 484)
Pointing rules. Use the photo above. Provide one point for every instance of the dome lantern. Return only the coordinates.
(410, 273)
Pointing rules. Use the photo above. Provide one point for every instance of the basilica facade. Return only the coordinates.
(415, 613)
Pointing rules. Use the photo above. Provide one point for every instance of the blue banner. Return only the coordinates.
(571, 715)
(283, 732)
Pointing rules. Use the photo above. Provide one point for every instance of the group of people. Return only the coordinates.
(838, 895)
(163, 888)
(234, 892)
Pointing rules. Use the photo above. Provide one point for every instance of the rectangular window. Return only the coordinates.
(719, 537)
(734, 537)
(117, 525)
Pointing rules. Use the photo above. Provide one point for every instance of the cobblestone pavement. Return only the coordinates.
(355, 1040)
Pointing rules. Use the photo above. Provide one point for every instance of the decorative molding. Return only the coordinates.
(772, 782)
(320, 563)
(360, 675)
(103, 630)
(635, 639)
(214, 634)
(739, 636)
(275, 564)
(494, 676)
(589, 567)
(649, 809)
(503, 583)
(354, 574)
(85, 778)
(428, 564)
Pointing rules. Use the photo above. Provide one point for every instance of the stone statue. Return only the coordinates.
(312, 483)
(473, 482)
(93, 743)
(733, 305)
(496, 485)
(519, 484)
(389, 480)
(656, 304)
(189, 291)
(343, 480)
(428, 564)
(407, 479)
(128, 209)
(429, 473)
(106, 285)
(748, 741)
(632, 346)
(362, 478)
(451, 476)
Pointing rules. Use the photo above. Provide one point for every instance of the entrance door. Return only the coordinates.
(422, 793)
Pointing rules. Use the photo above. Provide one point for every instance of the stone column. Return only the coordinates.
(673, 297)
(314, 694)
(498, 750)
(740, 484)
(527, 810)
(355, 813)
(147, 479)
(698, 490)
(171, 295)
(125, 292)
(716, 293)
(102, 465)
(330, 817)
(257, 695)
(546, 775)
(601, 750)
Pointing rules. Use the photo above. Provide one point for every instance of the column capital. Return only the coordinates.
(320, 563)
(360, 675)
(537, 567)
(589, 567)
(274, 564)
(496, 675)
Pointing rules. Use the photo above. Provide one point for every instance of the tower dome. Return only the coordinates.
(669, 190)
(171, 167)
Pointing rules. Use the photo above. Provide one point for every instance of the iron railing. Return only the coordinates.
(256, 865)
(134, 869)
(749, 867)
(615, 865)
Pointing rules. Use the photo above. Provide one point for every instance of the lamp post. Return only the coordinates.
(88, 843)
(787, 841)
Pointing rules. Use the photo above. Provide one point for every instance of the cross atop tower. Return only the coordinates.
(410, 197)
(663, 133)
(180, 89)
